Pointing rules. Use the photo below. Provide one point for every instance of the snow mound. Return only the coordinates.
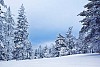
(78, 60)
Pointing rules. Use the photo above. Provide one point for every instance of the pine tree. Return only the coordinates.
(90, 32)
(46, 53)
(40, 52)
(60, 43)
(28, 49)
(36, 54)
(70, 41)
(53, 51)
(23, 48)
(3, 53)
(9, 33)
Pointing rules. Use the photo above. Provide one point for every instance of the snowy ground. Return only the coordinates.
(82, 60)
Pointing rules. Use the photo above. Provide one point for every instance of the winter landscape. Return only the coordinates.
(18, 48)
(82, 60)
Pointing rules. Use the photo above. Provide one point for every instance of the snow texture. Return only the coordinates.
(79, 60)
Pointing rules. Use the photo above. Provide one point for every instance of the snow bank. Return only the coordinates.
(81, 60)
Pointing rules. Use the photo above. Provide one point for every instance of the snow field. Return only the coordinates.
(80, 60)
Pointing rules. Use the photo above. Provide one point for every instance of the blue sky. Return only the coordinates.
(48, 18)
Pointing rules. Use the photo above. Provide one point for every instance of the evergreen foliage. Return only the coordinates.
(22, 45)
(90, 32)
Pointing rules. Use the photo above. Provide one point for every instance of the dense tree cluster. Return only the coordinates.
(14, 43)
(63, 46)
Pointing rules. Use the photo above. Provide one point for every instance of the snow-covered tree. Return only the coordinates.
(40, 52)
(8, 30)
(90, 32)
(3, 53)
(35, 54)
(2, 3)
(46, 53)
(28, 49)
(53, 51)
(23, 49)
(70, 41)
(60, 45)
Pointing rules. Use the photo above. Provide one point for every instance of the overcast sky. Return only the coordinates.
(48, 18)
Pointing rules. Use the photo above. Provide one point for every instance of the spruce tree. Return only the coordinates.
(9, 33)
(70, 41)
(90, 32)
(23, 48)
(46, 53)
(60, 43)
(35, 54)
(3, 50)
(40, 52)
(53, 51)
